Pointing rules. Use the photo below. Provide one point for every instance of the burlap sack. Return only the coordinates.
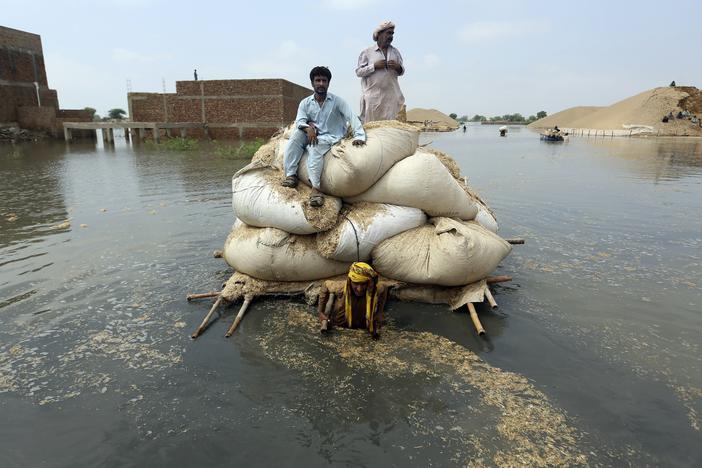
(275, 255)
(259, 200)
(362, 226)
(421, 181)
(445, 252)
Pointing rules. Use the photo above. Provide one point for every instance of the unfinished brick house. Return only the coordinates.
(225, 108)
(25, 97)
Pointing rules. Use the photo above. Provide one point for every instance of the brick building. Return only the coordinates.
(25, 97)
(229, 108)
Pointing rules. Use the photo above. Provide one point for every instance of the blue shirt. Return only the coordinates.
(331, 119)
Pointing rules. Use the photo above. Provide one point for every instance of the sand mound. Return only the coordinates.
(569, 115)
(646, 108)
(433, 116)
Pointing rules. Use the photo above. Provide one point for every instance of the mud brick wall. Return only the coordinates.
(13, 96)
(293, 95)
(22, 64)
(253, 108)
(20, 39)
(21, 57)
(147, 107)
(74, 115)
(37, 118)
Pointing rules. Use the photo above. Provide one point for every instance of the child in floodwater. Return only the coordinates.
(359, 306)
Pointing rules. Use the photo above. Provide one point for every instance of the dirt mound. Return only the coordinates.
(693, 102)
(643, 109)
(433, 117)
(568, 115)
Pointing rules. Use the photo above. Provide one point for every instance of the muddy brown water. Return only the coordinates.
(592, 358)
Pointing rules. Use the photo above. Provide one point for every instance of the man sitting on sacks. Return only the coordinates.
(359, 306)
(321, 122)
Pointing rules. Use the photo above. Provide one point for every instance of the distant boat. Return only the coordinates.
(551, 137)
(503, 130)
(553, 134)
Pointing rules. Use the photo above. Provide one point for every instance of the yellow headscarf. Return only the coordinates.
(361, 273)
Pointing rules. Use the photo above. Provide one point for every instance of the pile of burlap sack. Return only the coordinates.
(401, 207)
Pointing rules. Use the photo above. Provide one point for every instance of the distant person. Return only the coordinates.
(464, 128)
(320, 123)
(556, 129)
(695, 120)
(195, 74)
(680, 115)
(379, 67)
(360, 305)
(672, 83)
(664, 119)
(670, 115)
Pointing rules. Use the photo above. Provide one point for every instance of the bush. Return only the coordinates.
(178, 144)
(181, 144)
(245, 149)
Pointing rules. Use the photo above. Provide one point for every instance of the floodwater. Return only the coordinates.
(593, 357)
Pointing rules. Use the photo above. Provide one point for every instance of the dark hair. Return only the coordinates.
(320, 71)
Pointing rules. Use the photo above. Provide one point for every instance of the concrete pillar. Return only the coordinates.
(183, 132)
(126, 134)
(104, 135)
(111, 135)
(157, 135)
(67, 134)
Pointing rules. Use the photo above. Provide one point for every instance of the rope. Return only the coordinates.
(355, 233)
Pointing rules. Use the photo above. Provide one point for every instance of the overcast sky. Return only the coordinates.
(467, 57)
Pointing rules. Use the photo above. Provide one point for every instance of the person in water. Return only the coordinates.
(359, 306)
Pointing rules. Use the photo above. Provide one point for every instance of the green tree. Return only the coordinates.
(463, 118)
(478, 118)
(453, 116)
(541, 114)
(116, 114)
(93, 114)
(531, 119)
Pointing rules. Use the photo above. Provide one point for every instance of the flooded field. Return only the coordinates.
(593, 357)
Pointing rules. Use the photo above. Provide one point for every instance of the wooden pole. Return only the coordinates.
(490, 299)
(515, 241)
(474, 317)
(327, 311)
(239, 316)
(497, 279)
(206, 320)
(190, 297)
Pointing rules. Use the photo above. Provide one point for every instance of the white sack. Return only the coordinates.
(370, 224)
(259, 200)
(275, 255)
(486, 219)
(421, 181)
(446, 252)
(350, 170)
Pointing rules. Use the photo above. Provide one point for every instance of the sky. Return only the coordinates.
(463, 57)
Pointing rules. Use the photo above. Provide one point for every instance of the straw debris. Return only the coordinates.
(521, 425)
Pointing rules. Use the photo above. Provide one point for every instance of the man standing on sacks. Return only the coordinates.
(379, 67)
(321, 122)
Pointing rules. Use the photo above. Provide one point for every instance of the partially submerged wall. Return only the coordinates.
(229, 108)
